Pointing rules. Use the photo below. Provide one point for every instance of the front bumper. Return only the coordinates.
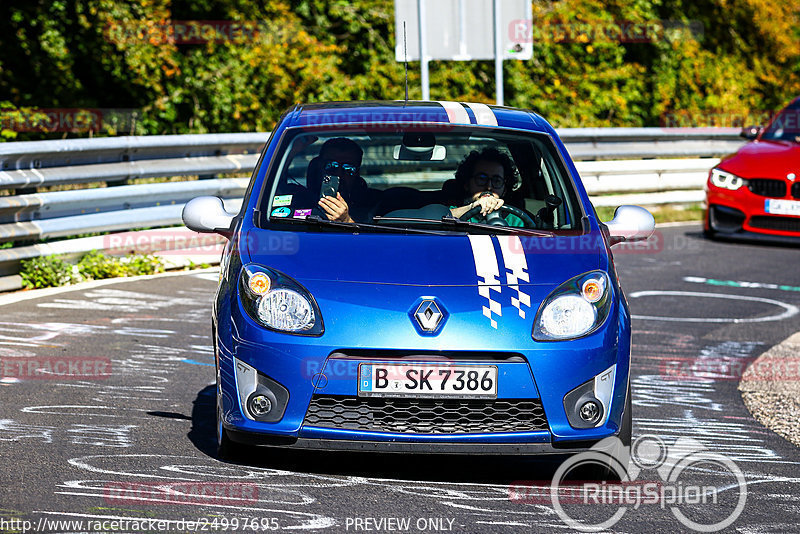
(741, 215)
(543, 372)
(411, 447)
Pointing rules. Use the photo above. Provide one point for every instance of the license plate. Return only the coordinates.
(427, 380)
(782, 207)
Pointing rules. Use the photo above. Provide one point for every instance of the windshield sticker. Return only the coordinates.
(302, 213)
(282, 200)
(486, 267)
(281, 212)
(516, 269)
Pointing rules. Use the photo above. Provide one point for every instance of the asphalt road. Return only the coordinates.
(124, 445)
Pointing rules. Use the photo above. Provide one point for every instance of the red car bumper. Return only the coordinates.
(748, 213)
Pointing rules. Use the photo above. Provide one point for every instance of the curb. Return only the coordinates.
(770, 389)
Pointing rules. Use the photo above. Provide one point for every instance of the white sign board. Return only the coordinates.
(463, 30)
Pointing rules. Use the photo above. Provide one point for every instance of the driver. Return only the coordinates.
(486, 177)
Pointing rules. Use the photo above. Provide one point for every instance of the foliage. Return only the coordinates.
(96, 265)
(118, 54)
(46, 271)
(138, 264)
(191, 266)
(50, 271)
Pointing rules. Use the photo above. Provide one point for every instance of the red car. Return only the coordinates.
(754, 194)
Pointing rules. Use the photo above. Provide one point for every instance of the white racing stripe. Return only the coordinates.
(516, 269)
(488, 273)
(456, 113)
(483, 114)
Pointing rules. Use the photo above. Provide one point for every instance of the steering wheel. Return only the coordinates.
(495, 219)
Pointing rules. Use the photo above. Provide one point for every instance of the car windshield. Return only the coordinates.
(786, 126)
(474, 180)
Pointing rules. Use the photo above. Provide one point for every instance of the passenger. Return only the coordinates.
(486, 177)
(342, 157)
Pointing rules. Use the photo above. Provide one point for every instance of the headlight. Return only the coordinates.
(726, 180)
(576, 308)
(278, 302)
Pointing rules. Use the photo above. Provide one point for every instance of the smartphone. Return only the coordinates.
(330, 186)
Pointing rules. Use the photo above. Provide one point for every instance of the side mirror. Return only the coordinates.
(750, 132)
(631, 223)
(208, 215)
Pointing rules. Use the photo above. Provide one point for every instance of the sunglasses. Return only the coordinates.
(349, 168)
(481, 179)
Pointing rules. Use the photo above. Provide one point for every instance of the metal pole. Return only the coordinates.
(498, 54)
(423, 51)
(462, 29)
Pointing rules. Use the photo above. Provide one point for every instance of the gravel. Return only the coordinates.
(770, 388)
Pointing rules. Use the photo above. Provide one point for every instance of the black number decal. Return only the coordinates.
(446, 374)
(460, 380)
(472, 380)
(486, 381)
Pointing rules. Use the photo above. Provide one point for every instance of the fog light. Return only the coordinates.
(260, 398)
(589, 405)
(259, 405)
(589, 411)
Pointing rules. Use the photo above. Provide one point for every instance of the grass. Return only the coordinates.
(662, 214)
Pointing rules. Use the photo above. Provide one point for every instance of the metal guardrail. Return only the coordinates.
(610, 160)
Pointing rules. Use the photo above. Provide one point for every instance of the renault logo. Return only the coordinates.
(428, 315)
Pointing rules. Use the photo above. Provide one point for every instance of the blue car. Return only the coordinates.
(419, 277)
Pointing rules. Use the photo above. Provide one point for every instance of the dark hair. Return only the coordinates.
(341, 144)
(465, 168)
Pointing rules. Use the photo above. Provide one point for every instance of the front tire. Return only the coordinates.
(626, 431)
(227, 449)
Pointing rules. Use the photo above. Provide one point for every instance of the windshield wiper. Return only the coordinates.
(316, 220)
(458, 223)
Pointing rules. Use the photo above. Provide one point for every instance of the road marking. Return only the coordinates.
(187, 360)
(21, 296)
(739, 283)
(789, 309)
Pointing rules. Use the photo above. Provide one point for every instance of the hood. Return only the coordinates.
(764, 159)
(424, 260)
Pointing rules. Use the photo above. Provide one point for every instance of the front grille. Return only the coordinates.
(768, 222)
(426, 416)
(767, 188)
(796, 190)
